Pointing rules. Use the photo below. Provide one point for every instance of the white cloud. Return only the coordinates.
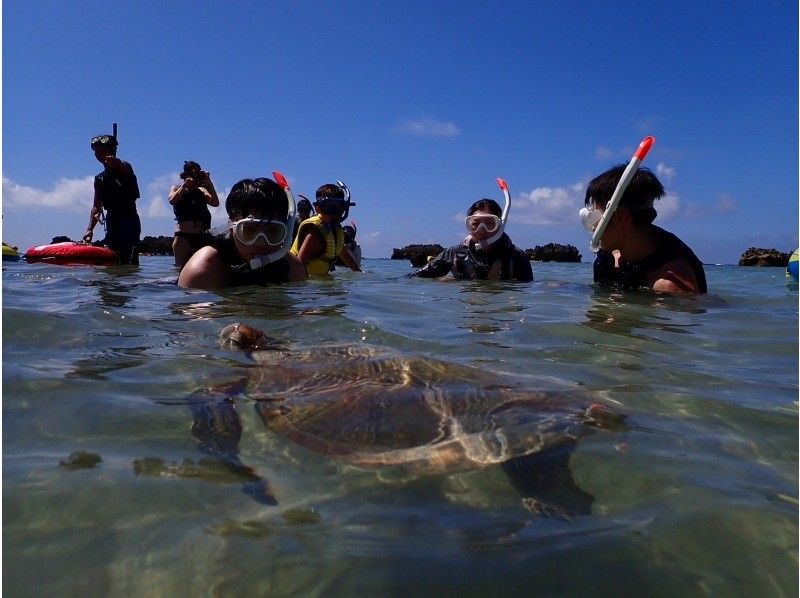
(603, 153)
(370, 238)
(725, 204)
(668, 207)
(549, 205)
(665, 172)
(158, 205)
(69, 194)
(428, 127)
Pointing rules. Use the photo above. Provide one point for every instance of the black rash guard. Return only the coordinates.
(241, 273)
(466, 261)
(633, 275)
(118, 192)
(192, 206)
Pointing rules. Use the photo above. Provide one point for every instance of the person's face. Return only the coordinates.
(303, 216)
(482, 224)
(260, 245)
(101, 152)
(616, 231)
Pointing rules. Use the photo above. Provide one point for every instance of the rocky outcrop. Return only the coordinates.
(756, 256)
(417, 254)
(156, 245)
(554, 252)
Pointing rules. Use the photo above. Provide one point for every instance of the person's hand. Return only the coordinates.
(112, 162)
(87, 238)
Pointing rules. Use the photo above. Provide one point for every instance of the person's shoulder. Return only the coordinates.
(204, 270)
(675, 276)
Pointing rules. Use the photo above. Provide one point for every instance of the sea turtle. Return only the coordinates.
(372, 407)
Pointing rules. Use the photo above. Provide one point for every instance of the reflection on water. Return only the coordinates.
(405, 437)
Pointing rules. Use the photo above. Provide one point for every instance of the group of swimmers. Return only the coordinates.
(271, 239)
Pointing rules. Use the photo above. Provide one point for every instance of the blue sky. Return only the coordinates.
(417, 106)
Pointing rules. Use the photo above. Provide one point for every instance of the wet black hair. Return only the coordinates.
(304, 205)
(188, 167)
(638, 198)
(262, 194)
(349, 233)
(330, 190)
(486, 205)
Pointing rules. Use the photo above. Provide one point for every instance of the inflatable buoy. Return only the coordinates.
(69, 253)
(791, 268)
(10, 254)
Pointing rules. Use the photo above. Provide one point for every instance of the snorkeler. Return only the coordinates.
(632, 252)
(487, 253)
(320, 239)
(254, 249)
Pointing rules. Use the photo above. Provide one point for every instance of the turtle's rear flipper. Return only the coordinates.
(545, 483)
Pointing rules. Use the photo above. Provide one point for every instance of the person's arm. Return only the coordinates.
(438, 266)
(207, 187)
(313, 245)
(348, 259)
(674, 277)
(175, 193)
(204, 270)
(297, 271)
(94, 216)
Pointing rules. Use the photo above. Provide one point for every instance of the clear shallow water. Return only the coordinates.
(696, 494)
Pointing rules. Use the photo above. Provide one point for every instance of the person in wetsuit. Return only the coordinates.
(190, 203)
(303, 214)
(634, 253)
(115, 190)
(474, 258)
(259, 225)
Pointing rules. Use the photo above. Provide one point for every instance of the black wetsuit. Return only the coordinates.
(118, 192)
(192, 206)
(466, 261)
(633, 275)
(241, 273)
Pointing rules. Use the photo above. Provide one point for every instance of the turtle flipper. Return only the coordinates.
(218, 429)
(545, 483)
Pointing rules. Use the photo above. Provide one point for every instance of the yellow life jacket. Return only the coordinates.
(334, 241)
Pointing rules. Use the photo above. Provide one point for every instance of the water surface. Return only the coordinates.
(696, 494)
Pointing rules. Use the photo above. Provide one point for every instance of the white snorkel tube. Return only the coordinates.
(616, 197)
(503, 218)
(262, 260)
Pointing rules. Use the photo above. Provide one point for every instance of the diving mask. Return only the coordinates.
(488, 222)
(590, 217)
(248, 230)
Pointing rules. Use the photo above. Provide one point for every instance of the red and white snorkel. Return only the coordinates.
(262, 260)
(503, 218)
(624, 181)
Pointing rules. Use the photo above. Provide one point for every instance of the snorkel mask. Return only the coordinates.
(487, 226)
(336, 206)
(269, 230)
(596, 221)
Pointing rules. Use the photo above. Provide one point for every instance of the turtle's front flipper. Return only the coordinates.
(217, 428)
(545, 483)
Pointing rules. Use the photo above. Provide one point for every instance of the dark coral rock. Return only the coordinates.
(756, 256)
(554, 252)
(417, 254)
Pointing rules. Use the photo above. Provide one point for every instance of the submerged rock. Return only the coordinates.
(756, 256)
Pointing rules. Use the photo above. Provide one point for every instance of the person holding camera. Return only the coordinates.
(115, 190)
(190, 203)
